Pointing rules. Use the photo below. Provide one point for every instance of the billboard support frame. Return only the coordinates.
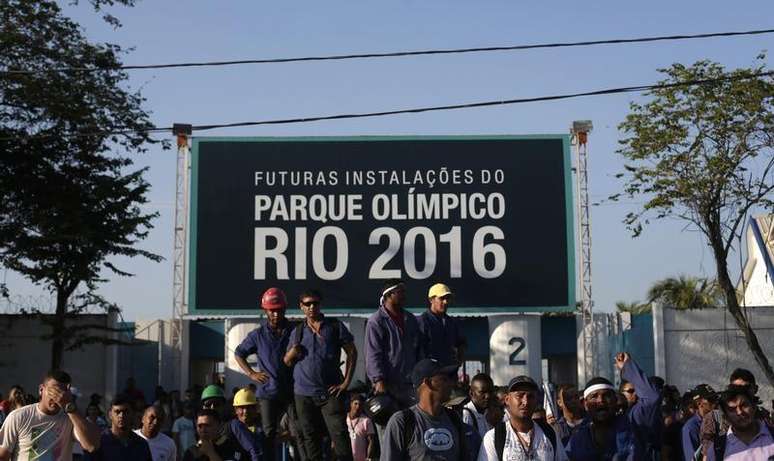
(180, 346)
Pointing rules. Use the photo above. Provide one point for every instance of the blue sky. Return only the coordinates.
(623, 268)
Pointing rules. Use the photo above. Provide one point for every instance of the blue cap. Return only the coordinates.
(427, 368)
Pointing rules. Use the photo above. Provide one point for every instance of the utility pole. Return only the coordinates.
(180, 355)
(586, 357)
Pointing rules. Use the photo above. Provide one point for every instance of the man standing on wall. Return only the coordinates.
(274, 379)
(392, 347)
(441, 335)
(313, 352)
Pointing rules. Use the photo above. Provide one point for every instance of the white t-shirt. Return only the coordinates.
(474, 419)
(31, 435)
(162, 447)
(184, 428)
(540, 448)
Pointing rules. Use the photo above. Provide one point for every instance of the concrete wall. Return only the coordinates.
(704, 346)
(157, 355)
(25, 357)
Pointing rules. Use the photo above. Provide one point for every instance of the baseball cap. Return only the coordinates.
(523, 383)
(703, 391)
(438, 290)
(427, 368)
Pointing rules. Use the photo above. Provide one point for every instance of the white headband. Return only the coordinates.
(387, 290)
(597, 387)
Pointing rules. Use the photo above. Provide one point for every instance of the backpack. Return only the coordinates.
(472, 417)
(500, 434)
(298, 331)
(410, 423)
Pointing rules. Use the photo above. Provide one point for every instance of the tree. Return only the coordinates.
(701, 150)
(635, 307)
(70, 200)
(686, 293)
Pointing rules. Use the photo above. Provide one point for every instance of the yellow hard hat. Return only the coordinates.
(244, 398)
(438, 290)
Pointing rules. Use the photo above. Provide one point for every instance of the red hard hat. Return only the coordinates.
(274, 299)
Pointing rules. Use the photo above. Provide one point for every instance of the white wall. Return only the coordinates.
(704, 346)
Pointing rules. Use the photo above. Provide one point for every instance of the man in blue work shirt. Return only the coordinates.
(703, 399)
(441, 335)
(621, 437)
(314, 351)
(273, 378)
(392, 347)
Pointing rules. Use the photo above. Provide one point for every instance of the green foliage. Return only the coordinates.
(635, 307)
(704, 153)
(687, 293)
(70, 200)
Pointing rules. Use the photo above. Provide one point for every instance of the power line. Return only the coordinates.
(396, 54)
(287, 121)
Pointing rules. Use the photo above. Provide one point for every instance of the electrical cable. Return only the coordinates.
(609, 91)
(394, 54)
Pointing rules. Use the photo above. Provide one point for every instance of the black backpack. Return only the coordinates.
(472, 417)
(298, 332)
(410, 423)
(501, 431)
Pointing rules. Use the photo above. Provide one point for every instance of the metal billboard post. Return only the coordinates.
(180, 354)
(587, 366)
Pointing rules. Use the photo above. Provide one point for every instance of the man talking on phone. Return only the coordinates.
(314, 350)
(45, 431)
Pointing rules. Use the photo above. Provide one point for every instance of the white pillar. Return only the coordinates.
(514, 344)
(659, 350)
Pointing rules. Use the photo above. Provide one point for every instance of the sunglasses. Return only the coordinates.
(630, 391)
(310, 303)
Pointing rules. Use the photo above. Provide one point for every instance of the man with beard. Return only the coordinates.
(717, 425)
(748, 438)
(428, 431)
(481, 396)
(273, 377)
(521, 437)
(621, 437)
(161, 446)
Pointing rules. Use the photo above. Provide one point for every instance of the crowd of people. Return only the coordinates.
(301, 406)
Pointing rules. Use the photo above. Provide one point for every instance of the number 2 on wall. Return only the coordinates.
(521, 345)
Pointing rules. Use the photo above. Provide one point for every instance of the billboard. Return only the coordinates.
(489, 216)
